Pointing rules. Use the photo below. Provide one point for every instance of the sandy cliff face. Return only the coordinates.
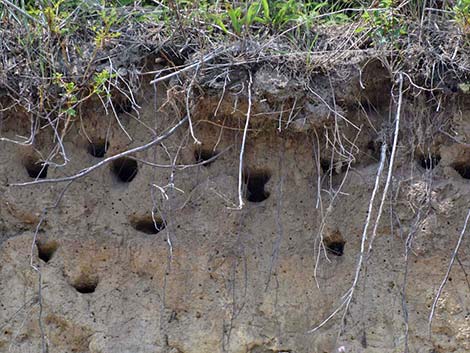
(144, 258)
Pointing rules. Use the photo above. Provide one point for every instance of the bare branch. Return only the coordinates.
(392, 159)
(183, 166)
(189, 67)
(449, 268)
(88, 170)
(242, 150)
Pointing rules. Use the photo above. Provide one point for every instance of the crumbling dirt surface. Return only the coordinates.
(151, 253)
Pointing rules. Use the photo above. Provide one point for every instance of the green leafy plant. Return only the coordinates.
(70, 93)
(285, 12)
(462, 14)
(279, 15)
(55, 14)
(386, 24)
(99, 82)
(103, 33)
(244, 18)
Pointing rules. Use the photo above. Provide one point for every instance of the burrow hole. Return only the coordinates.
(374, 149)
(125, 169)
(325, 165)
(124, 106)
(36, 169)
(255, 181)
(334, 244)
(335, 169)
(46, 249)
(258, 348)
(86, 283)
(98, 148)
(202, 155)
(147, 225)
(429, 161)
(463, 168)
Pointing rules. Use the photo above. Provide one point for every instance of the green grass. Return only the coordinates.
(236, 17)
(47, 32)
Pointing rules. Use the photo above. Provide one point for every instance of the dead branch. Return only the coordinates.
(90, 169)
(392, 159)
(449, 268)
(242, 150)
(184, 166)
